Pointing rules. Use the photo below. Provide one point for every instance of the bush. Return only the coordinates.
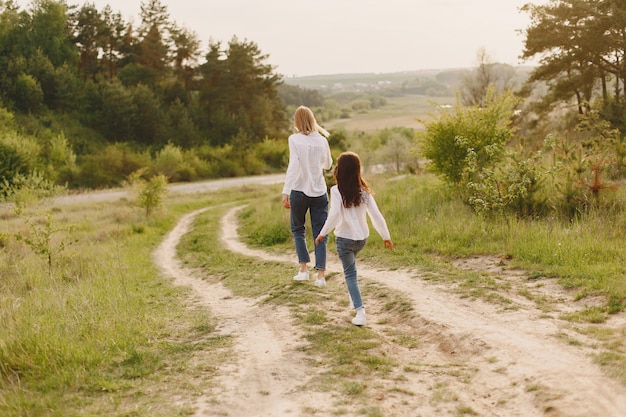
(29, 189)
(275, 153)
(109, 167)
(481, 132)
(151, 193)
(28, 94)
(18, 155)
(169, 162)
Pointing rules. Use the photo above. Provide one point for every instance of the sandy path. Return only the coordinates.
(518, 367)
(262, 380)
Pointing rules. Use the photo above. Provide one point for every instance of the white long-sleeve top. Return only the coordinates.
(351, 223)
(309, 156)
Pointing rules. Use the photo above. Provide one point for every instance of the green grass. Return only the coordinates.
(429, 226)
(106, 328)
(107, 334)
(406, 111)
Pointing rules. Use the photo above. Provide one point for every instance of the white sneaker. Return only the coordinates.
(359, 319)
(302, 276)
(320, 282)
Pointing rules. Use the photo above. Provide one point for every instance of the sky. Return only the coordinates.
(319, 37)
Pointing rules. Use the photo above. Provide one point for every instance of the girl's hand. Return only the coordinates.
(286, 201)
(319, 239)
(388, 244)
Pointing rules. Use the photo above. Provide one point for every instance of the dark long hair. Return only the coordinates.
(349, 181)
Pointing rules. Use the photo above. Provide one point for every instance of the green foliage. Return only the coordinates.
(576, 59)
(169, 161)
(29, 189)
(28, 94)
(151, 193)
(471, 135)
(107, 329)
(111, 165)
(134, 74)
(40, 237)
(149, 120)
(389, 150)
(239, 93)
(272, 152)
(114, 112)
(90, 76)
(61, 160)
(293, 95)
(515, 183)
(18, 155)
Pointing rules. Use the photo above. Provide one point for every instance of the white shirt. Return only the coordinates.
(351, 223)
(309, 156)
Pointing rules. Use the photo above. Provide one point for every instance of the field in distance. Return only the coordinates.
(404, 111)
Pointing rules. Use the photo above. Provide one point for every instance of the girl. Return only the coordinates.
(305, 189)
(350, 201)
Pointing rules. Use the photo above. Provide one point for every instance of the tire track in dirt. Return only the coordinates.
(515, 353)
(267, 368)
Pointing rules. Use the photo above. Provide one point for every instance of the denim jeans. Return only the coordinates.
(318, 207)
(347, 249)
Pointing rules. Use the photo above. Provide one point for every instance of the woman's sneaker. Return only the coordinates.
(320, 282)
(302, 276)
(359, 319)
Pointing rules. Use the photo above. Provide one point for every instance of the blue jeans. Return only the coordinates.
(318, 207)
(347, 249)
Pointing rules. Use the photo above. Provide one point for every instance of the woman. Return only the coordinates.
(305, 189)
(351, 201)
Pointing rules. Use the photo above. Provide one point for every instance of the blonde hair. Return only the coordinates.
(304, 121)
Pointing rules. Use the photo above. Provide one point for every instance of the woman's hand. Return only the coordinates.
(388, 244)
(286, 201)
(319, 239)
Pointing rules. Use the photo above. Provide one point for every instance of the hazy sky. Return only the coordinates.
(353, 36)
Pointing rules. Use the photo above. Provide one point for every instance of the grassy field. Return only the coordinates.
(102, 332)
(405, 111)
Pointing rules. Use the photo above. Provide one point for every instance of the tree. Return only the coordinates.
(49, 32)
(28, 95)
(582, 45)
(114, 31)
(153, 47)
(115, 112)
(89, 36)
(186, 53)
(486, 75)
(148, 119)
(238, 93)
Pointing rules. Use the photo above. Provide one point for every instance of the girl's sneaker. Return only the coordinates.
(359, 319)
(320, 282)
(302, 276)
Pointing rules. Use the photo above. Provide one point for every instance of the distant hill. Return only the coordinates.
(379, 82)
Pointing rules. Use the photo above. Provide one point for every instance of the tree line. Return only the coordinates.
(110, 87)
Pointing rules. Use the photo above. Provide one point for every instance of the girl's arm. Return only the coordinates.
(378, 221)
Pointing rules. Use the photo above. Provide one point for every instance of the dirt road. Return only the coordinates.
(188, 187)
(474, 358)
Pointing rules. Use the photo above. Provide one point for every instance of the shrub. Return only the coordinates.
(29, 189)
(111, 166)
(151, 193)
(481, 132)
(169, 162)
